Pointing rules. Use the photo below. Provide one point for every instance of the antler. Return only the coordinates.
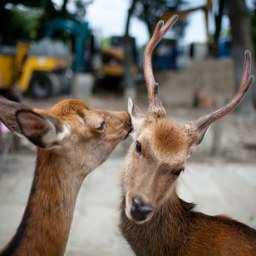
(155, 104)
(203, 123)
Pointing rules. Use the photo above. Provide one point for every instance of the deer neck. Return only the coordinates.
(46, 222)
(163, 234)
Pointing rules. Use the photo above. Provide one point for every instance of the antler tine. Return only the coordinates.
(247, 79)
(161, 28)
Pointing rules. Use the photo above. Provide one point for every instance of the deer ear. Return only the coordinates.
(43, 131)
(137, 117)
(40, 129)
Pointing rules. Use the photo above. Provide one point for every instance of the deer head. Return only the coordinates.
(70, 129)
(161, 146)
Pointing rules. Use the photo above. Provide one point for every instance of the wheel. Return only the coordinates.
(44, 85)
(56, 84)
(108, 84)
(66, 80)
(40, 86)
(97, 84)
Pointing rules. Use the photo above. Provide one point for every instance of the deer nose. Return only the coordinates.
(139, 210)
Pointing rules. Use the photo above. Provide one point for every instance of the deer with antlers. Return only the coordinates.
(72, 140)
(154, 220)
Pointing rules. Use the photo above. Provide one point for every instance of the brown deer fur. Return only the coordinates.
(73, 140)
(176, 230)
(154, 220)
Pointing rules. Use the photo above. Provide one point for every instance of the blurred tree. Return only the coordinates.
(64, 7)
(29, 3)
(149, 11)
(128, 76)
(253, 25)
(78, 8)
(22, 25)
(218, 25)
(51, 11)
(241, 40)
(27, 22)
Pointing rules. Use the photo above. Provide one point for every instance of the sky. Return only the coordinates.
(108, 18)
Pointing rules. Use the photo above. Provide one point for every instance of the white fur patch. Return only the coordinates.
(52, 135)
(65, 132)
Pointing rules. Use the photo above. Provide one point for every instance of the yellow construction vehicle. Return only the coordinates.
(35, 71)
(7, 63)
(110, 74)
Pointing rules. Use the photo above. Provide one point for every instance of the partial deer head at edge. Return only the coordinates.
(69, 129)
(161, 146)
(72, 140)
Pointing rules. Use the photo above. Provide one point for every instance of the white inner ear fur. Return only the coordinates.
(130, 106)
(53, 136)
(136, 119)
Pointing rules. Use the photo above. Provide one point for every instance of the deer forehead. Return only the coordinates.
(70, 106)
(70, 111)
(169, 138)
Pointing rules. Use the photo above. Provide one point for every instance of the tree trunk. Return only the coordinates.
(241, 40)
(64, 7)
(149, 27)
(218, 23)
(128, 62)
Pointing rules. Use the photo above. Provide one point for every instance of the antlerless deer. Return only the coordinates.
(72, 141)
(154, 220)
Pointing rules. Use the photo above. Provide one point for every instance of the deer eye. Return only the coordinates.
(178, 171)
(102, 126)
(138, 147)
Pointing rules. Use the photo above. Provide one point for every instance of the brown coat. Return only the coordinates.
(176, 230)
(72, 141)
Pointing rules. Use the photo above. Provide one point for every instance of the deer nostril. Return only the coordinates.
(139, 210)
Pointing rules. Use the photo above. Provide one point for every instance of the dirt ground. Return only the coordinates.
(216, 188)
(220, 178)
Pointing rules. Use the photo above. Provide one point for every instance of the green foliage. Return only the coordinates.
(28, 3)
(22, 24)
(27, 20)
